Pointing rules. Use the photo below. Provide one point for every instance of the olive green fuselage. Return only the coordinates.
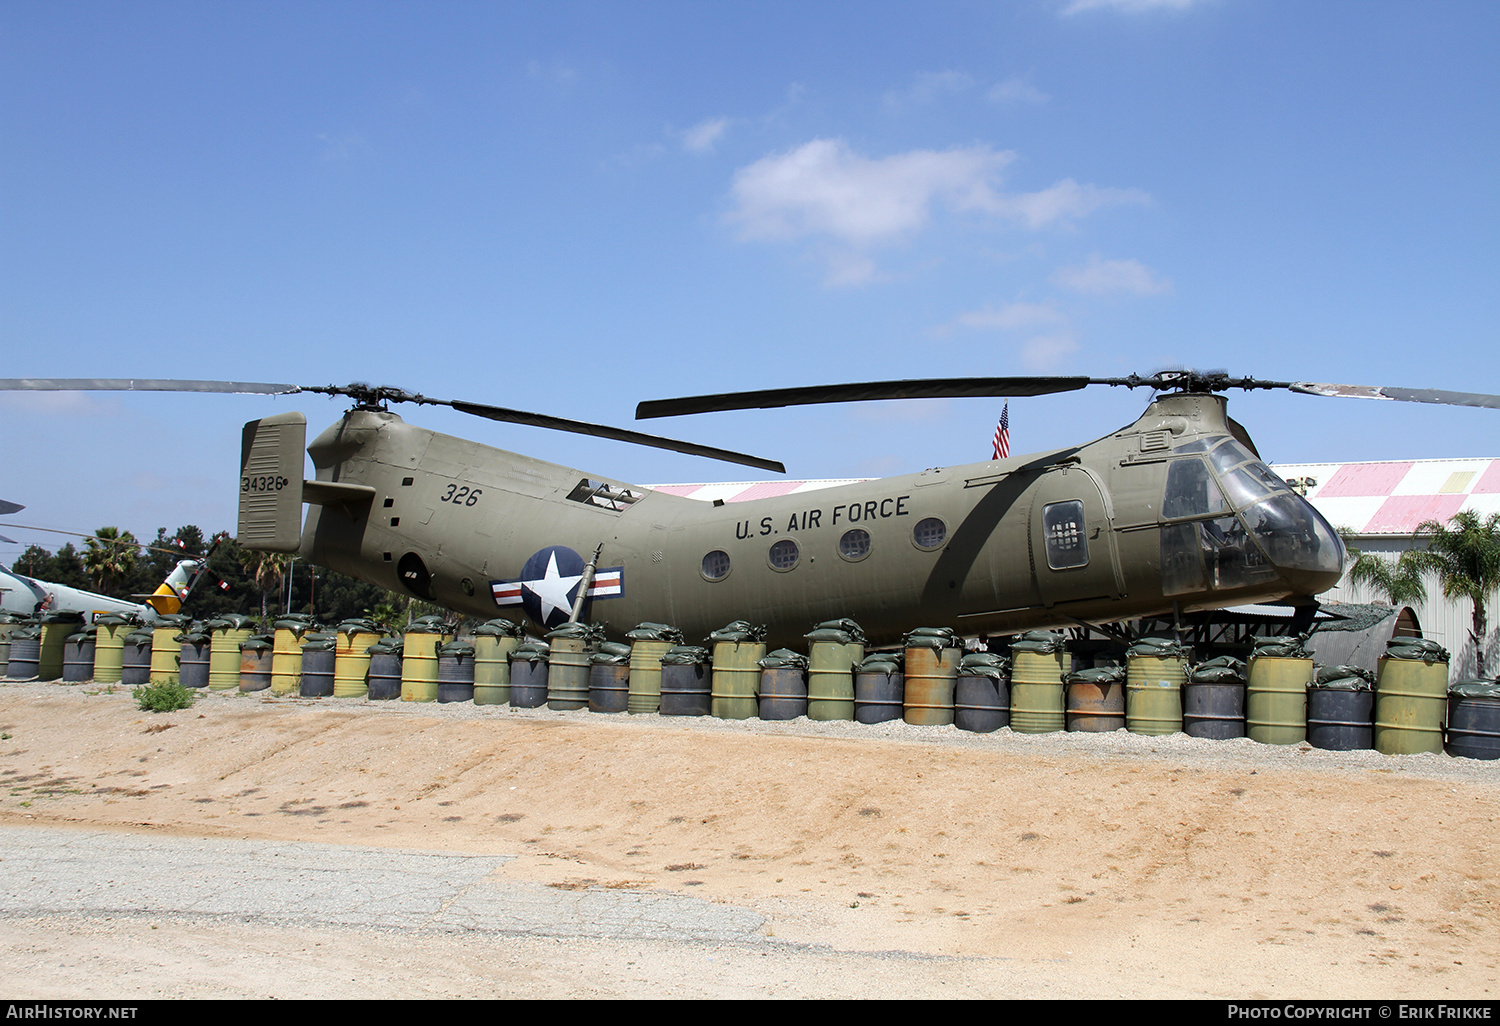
(1032, 541)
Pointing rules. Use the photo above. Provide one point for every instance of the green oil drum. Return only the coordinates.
(166, 652)
(931, 676)
(351, 660)
(419, 664)
(645, 675)
(109, 647)
(492, 667)
(1153, 694)
(830, 679)
(1036, 691)
(736, 679)
(1276, 699)
(1411, 705)
(286, 661)
(568, 675)
(225, 638)
(56, 628)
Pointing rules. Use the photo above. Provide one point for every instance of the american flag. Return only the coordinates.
(1002, 434)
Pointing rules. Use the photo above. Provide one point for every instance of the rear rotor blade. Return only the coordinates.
(1405, 395)
(919, 388)
(618, 434)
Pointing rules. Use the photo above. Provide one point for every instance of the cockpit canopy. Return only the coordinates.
(1243, 525)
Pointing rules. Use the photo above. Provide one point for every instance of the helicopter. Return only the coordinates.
(1171, 514)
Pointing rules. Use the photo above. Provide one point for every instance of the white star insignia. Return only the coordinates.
(553, 589)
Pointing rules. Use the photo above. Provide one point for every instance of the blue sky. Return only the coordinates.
(571, 207)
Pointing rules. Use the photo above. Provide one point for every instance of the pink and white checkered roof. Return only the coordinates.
(1368, 498)
(1393, 498)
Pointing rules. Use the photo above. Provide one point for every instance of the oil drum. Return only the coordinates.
(1153, 693)
(736, 678)
(226, 634)
(493, 644)
(568, 673)
(286, 657)
(646, 674)
(25, 654)
(981, 703)
(1276, 699)
(78, 657)
(109, 646)
(385, 670)
(256, 656)
(56, 629)
(930, 677)
(351, 659)
(879, 690)
(419, 660)
(1411, 703)
(194, 657)
(783, 692)
(455, 680)
(1095, 699)
(528, 675)
(135, 657)
(1036, 689)
(1474, 719)
(830, 679)
(686, 682)
(609, 686)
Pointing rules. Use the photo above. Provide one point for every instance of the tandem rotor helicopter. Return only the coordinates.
(1171, 514)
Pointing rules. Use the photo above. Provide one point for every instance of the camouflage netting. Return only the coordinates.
(840, 632)
(931, 637)
(1040, 642)
(655, 632)
(1220, 670)
(686, 655)
(1416, 648)
(1161, 647)
(1290, 647)
(1097, 675)
(1475, 689)
(1342, 678)
(783, 659)
(738, 631)
(994, 665)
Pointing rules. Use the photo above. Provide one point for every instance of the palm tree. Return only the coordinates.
(1399, 583)
(268, 570)
(110, 556)
(1465, 555)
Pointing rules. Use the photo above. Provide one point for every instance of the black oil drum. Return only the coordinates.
(1340, 720)
(1213, 711)
(385, 672)
(1474, 720)
(319, 658)
(78, 658)
(528, 683)
(256, 656)
(609, 687)
(981, 704)
(878, 697)
(135, 662)
(25, 655)
(686, 689)
(194, 662)
(455, 680)
(783, 693)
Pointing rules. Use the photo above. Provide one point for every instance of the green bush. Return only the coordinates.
(164, 696)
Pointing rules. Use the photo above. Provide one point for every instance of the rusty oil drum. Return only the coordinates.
(256, 656)
(783, 693)
(931, 675)
(1094, 706)
(686, 689)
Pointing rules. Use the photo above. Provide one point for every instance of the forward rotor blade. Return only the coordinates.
(919, 388)
(1404, 395)
(7, 507)
(142, 385)
(618, 434)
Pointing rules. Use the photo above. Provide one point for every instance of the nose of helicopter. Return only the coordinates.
(1303, 547)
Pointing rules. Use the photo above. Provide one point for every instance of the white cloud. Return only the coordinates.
(1099, 276)
(1015, 90)
(928, 87)
(1128, 6)
(824, 190)
(705, 135)
(1012, 317)
(1048, 352)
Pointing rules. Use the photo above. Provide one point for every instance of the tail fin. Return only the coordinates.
(167, 598)
(271, 463)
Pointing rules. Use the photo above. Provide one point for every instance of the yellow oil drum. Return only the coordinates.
(166, 652)
(1036, 691)
(931, 674)
(1411, 705)
(286, 661)
(568, 673)
(736, 679)
(1276, 700)
(419, 664)
(1153, 694)
(226, 635)
(55, 630)
(351, 660)
(109, 647)
(830, 679)
(492, 667)
(645, 675)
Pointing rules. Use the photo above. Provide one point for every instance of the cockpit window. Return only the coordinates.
(1190, 490)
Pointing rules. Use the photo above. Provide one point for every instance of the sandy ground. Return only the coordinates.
(881, 861)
